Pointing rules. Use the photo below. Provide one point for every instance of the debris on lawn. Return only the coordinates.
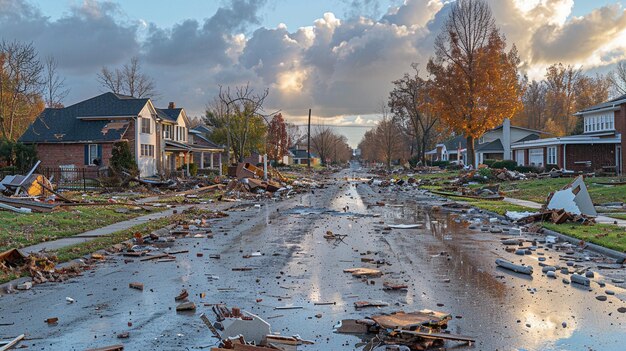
(573, 198)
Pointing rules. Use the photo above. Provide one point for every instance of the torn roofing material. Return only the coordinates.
(573, 198)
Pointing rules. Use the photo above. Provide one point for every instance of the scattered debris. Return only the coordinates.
(137, 286)
(514, 267)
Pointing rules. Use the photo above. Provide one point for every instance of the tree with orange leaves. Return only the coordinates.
(475, 81)
(277, 138)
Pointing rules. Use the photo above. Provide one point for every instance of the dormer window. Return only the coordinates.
(599, 123)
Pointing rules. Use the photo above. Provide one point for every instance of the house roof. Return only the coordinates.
(170, 114)
(453, 143)
(520, 128)
(567, 140)
(613, 103)
(206, 142)
(529, 137)
(202, 128)
(495, 145)
(88, 120)
(298, 153)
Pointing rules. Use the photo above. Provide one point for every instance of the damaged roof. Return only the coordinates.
(73, 123)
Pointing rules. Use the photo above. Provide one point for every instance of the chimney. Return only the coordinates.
(171, 105)
(506, 139)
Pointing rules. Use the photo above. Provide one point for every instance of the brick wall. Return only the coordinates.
(599, 155)
(620, 127)
(54, 155)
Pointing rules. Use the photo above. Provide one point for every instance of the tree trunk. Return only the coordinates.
(471, 160)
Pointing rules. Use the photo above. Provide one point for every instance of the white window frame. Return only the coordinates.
(144, 127)
(551, 159)
(89, 153)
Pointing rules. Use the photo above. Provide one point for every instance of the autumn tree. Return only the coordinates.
(54, 89)
(561, 84)
(368, 147)
(410, 103)
(128, 80)
(475, 83)
(533, 112)
(277, 138)
(20, 86)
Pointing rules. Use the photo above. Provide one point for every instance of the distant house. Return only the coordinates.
(301, 156)
(82, 135)
(495, 144)
(598, 148)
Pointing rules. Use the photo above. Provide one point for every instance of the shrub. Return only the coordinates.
(13, 153)
(193, 169)
(489, 162)
(122, 159)
(485, 172)
(508, 164)
(527, 169)
(441, 164)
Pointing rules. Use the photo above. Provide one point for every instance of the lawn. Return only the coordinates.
(499, 207)
(19, 230)
(538, 189)
(606, 235)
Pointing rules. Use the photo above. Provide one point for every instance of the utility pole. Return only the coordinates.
(308, 145)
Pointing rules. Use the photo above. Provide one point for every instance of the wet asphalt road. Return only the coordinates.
(447, 267)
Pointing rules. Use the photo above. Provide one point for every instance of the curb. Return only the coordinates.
(590, 246)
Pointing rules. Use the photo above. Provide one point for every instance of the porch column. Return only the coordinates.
(212, 166)
(202, 160)
(188, 161)
(219, 159)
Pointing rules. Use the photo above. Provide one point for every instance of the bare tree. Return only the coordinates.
(128, 80)
(388, 137)
(243, 124)
(617, 78)
(409, 102)
(294, 134)
(20, 87)
(329, 145)
(54, 85)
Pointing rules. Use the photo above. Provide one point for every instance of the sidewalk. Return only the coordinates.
(599, 219)
(93, 234)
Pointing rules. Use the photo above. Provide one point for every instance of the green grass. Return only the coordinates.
(616, 215)
(499, 207)
(607, 235)
(538, 189)
(19, 230)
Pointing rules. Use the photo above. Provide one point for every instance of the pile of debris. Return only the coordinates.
(418, 330)
(241, 330)
(490, 192)
(570, 204)
(40, 266)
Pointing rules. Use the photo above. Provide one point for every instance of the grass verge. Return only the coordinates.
(19, 230)
(607, 235)
(538, 189)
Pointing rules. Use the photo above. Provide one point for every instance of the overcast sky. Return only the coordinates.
(336, 57)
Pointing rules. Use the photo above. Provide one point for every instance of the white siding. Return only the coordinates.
(146, 164)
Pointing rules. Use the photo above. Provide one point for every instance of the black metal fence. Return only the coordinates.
(81, 179)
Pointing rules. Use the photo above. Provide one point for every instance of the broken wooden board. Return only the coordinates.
(363, 304)
(363, 272)
(352, 326)
(444, 336)
(9, 344)
(402, 320)
(108, 348)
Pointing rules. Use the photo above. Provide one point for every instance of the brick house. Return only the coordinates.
(82, 135)
(599, 148)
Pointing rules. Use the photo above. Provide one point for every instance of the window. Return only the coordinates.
(167, 132)
(147, 150)
(552, 155)
(145, 126)
(92, 155)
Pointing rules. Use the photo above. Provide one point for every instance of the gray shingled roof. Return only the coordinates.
(529, 137)
(206, 142)
(169, 113)
(495, 145)
(57, 125)
(453, 143)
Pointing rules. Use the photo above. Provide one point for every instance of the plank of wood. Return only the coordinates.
(12, 343)
(108, 348)
(444, 336)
